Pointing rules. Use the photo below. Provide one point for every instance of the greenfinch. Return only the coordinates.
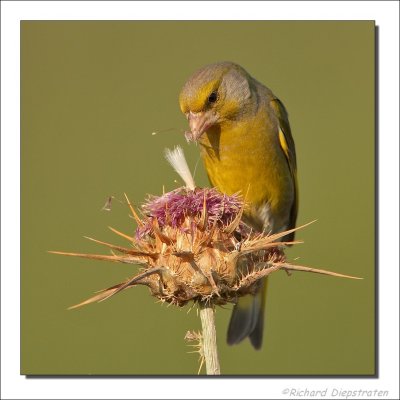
(246, 145)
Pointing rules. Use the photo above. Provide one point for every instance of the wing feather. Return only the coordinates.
(287, 144)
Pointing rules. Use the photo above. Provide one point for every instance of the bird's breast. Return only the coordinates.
(246, 157)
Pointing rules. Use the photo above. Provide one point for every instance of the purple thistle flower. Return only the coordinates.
(172, 208)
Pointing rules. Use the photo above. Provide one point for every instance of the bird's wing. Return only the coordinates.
(287, 144)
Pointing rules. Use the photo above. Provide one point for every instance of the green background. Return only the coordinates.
(91, 95)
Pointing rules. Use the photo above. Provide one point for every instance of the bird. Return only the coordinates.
(247, 147)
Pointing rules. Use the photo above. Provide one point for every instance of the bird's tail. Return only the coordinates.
(247, 318)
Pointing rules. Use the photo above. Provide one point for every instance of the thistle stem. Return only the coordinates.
(209, 334)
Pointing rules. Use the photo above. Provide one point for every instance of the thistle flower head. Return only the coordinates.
(193, 246)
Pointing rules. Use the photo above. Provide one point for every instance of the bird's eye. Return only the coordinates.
(213, 97)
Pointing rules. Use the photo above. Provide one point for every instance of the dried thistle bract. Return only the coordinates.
(193, 246)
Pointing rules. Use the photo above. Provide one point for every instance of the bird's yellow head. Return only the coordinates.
(215, 94)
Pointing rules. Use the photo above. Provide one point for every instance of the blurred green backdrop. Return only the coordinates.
(92, 94)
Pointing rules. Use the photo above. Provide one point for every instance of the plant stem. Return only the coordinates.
(209, 334)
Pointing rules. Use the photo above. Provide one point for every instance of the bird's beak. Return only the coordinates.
(199, 122)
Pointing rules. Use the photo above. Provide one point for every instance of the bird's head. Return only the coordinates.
(215, 94)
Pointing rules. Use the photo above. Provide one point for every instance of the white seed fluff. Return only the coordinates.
(177, 159)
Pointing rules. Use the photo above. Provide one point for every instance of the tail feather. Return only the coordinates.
(247, 319)
(256, 336)
(242, 321)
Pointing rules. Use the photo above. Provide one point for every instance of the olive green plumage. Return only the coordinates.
(246, 146)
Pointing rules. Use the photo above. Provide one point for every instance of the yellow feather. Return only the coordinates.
(199, 102)
(246, 158)
(283, 143)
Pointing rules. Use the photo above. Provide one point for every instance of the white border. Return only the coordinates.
(386, 15)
